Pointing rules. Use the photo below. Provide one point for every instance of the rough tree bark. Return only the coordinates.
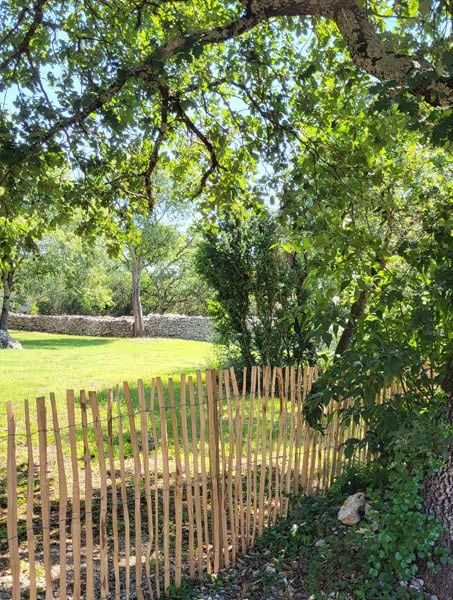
(439, 502)
(7, 283)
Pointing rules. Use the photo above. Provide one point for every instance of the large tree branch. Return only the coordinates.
(24, 44)
(149, 70)
(377, 58)
(154, 156)
(215, 165)
(367, 49)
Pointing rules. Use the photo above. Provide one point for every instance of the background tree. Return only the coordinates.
(174, 285)
(155, 244)
(147, 247)
(67, 275)
(70, 274)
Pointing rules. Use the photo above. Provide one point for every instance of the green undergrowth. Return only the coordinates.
(374, 560)
(314, 555)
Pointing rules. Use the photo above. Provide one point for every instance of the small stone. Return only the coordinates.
(7, 342)
(349, 512)
(290, 591)
(417, 584)
(320, 543)
(270, 569)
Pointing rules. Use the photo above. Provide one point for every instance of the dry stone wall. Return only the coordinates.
(169, 326)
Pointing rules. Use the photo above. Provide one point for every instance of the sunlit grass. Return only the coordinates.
(55, 363)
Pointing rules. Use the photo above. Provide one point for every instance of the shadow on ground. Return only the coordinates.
(69, 342)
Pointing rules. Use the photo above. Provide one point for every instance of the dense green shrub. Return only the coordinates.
(260, 300)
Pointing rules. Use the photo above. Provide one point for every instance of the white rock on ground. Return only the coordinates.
(417, 584)
(349, 512)
(7, 342)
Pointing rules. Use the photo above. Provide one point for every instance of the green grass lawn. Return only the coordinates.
(55, 363)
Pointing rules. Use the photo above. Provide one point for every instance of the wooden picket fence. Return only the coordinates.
(180, 482)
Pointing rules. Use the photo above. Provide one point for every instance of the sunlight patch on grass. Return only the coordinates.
(55, 363)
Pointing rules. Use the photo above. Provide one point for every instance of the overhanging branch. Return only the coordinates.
(24, 44)
(154, 156)
(215, 165)
(368, 51)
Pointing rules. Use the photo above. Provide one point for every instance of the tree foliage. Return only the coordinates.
(65, 275)
(88, 83)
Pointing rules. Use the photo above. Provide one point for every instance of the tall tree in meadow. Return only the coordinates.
(146, 247)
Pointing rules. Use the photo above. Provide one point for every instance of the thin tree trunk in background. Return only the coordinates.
(136, 273)
(307, 349)
(357, 309)
(7, 282)
(439, 502)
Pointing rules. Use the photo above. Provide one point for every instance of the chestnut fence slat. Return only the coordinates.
(44, 494)
(30, 492)
(124, 497)
(76, 531)
(13, 542)
(63, 493)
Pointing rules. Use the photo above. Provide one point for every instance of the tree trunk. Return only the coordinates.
(439, 502)
(136, 272)
(357, 310)
(348, 333)
(306, 349)
(7, 282)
